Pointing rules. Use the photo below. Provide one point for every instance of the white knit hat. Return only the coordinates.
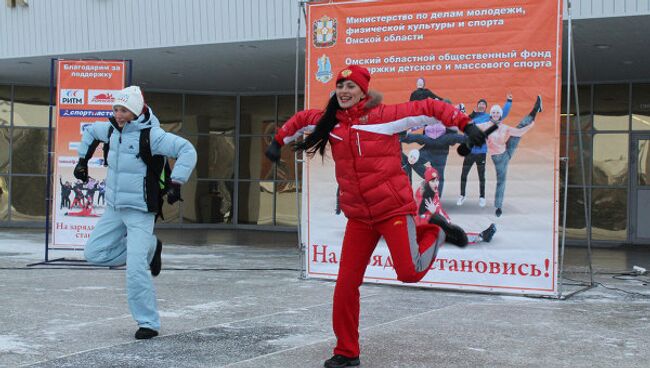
(496, 108)
(132, 99)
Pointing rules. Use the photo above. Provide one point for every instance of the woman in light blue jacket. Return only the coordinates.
(127, 210)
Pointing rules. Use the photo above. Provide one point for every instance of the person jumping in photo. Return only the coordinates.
(502, 145)
(375, 193)
(478, 154)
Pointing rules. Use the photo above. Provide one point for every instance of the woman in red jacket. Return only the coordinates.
(375, 193)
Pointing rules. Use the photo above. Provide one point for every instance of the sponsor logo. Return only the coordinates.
(101, 96)
(71, 97)
(85, 113)
(324, 73)
(324, 32)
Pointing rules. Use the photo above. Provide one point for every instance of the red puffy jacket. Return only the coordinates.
(367, 152)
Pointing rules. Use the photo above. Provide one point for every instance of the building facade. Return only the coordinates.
(222, 73)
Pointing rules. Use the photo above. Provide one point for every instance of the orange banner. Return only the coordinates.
(463, 51)
(85, 94)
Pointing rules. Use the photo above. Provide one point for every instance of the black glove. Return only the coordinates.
(475, 136)
(174, 193)
(274, 151)
(81, 170)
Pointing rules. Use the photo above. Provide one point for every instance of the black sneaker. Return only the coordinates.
(341, 361)
(144, 333)
(454, 234)
(488, 233)
(156, 262)
(498, 212)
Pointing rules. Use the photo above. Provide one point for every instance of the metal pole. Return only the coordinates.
(585, 197)
(296, 158)
(566, 158)
(49, 163)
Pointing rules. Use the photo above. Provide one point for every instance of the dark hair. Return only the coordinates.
(427, 193)
(317, 140)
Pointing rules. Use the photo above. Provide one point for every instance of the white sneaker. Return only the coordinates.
(481, 202)
(460, 201)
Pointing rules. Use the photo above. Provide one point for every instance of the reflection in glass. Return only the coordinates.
(643, 162)
(31, 107)
(4, 198)
(610, 159)
(207, 202)
(286, 207)
(641, 107)
(584, 99)
(611, 107)
(575, 221)
(28, 198)
(168, 107)
(29, 151)
(209, 115)
(609, 214)
(256, 203)
(5, 106)
(216, 156)
(252, 162)
(575, 170)
(4, 150)
(258, 115)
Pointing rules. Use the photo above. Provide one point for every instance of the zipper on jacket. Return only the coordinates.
(359, 143)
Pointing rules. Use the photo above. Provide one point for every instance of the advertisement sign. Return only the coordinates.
(493, 56)
(85, 91)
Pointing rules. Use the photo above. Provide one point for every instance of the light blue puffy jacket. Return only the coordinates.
(125, 181)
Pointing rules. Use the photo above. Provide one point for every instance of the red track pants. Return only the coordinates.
(412, 249)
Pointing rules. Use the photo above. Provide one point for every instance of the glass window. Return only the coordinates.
(252, 162)
(5, 106)
(643, 162)
(575, 221)
(286, 207)
(208, 201)
(209, 114)
(256, 202)
(4, 198)
(611, 107)
(609, 214)
(29, 151)
(286, 107)
(168, 107)
(28, 198)
(4, 149)
(641, 107)
(610, 159)
(575, 170)
(584, 99)
(216, 156)
(32, 107)
(258, 115)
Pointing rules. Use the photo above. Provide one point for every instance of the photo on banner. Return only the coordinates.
(86, 90)
(499, 62)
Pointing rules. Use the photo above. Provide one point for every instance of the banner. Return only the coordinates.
(476, 55)
(85, 94)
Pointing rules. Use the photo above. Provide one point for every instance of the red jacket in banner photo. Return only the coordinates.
(367, 152)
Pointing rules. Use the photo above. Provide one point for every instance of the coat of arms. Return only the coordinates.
(324, 32)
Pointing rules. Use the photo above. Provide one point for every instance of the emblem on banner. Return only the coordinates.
(71, 97)
(324, 73)
(324, 31)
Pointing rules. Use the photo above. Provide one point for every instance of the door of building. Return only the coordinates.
(640, 189)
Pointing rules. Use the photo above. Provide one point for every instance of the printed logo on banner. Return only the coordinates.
(101, 96)
(71, 97)
(85, 113)
(324, 73)
(325, 32)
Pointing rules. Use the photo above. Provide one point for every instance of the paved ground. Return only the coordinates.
(236, 301)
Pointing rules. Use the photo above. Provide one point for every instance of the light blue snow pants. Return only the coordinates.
(109, 245)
